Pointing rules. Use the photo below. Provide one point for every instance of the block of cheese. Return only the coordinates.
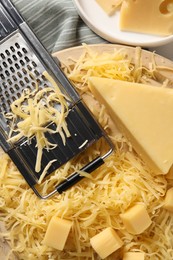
(106, 242)
(109, 6)
(136, 219)
(153, 17)
(57, 233)
(144, 114)
(168, 204)
(134, 256)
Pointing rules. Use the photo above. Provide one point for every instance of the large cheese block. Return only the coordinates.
(149, 16)
(144, 114)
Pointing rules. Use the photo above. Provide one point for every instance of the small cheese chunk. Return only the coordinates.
(136, 219)
(106, 242)
(169, 200)
(57, 233)
(153, 17)
(169, 175)
(109, 6)
(134, 256)
(144, 114)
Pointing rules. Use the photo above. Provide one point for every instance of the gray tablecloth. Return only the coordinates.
(56, 23)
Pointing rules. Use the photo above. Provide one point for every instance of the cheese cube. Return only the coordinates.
(154, 17)
(106, 242)
(57, 233)
(134, 256)
(136, 219)
(169, 200)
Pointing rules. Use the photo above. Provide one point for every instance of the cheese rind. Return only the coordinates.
(154, 17)
(144, 114)
(57, 233)
(134, 256)
(136, 219)
(106, 242)
(168, 204)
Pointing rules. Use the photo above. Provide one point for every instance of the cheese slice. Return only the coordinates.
(144, 114)
(109, 6)
(153, 17)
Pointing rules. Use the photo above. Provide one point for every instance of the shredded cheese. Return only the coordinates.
(32, 113)
(97, 201)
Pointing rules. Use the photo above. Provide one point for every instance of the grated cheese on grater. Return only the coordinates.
(34, 111)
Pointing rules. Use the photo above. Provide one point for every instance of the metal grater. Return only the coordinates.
(22, 56)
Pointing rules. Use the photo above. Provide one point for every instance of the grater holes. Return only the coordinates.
(24, 71)
(0, 68)
(16, 87)
(14, 78)
(17, 45)
(19, 54)
(22, 62)
(36, 72)
(24, 50)
(4, 85)
(14, 57)
(9, 61)
(7, 94)
(5, 64)
(12, 48)
(12, 69)
(29, 67)
(12, 90)
(9, 81)
(19, 74)
(7, 73)
(17, 66)
(7, 52)
(27, 59)
(2, 76)
(34, 64)
(22, 83)
(26, 80)
(2, 56)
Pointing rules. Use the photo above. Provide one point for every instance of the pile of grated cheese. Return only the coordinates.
(95, 203)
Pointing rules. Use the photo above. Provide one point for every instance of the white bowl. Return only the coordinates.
(107, 26)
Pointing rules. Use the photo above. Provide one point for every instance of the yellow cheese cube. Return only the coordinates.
(136, 219)
(57, 233)
(106, 242)
(144, 114)
(169, 200)
(149, 16)
(134, 256)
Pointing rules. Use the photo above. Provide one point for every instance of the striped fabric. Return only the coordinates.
(56, 23)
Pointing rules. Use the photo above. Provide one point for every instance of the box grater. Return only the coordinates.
(22, 54)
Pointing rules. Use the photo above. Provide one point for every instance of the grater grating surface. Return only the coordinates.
(23, 60)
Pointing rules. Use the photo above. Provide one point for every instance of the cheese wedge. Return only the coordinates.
(144, 114)
(109, 6)
(149, 16)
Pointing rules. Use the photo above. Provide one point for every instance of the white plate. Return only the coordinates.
(107, 26)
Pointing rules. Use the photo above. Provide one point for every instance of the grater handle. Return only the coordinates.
(76, 177)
